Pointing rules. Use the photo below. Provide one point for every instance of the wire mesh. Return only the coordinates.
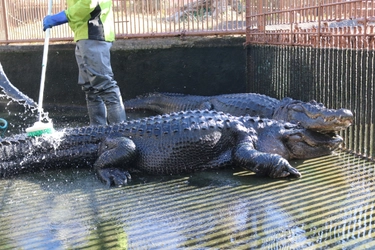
(338, 78)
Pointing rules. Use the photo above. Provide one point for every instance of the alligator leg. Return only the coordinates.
(263, 164)
(115, 153)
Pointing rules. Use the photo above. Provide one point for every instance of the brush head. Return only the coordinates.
(40, 128)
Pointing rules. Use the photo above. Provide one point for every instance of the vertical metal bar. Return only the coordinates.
(145, 7)
(278, 72)
(365, 92)
(327, 76)
(285, 65)
(340, 87)
(132, 17)
(351, 91)
(248, 10)
(260, 20)
(319, 23)
(247, 19)
(359, 99)
(323, 75)
(5, 20)
(371, 106)
(291, 14)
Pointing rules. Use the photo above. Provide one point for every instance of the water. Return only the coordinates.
(331, 206)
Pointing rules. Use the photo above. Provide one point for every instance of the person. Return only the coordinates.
(93, 27)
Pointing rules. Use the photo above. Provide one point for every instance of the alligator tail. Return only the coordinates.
(20, 154)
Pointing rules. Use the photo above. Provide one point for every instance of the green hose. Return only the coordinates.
(3, 126)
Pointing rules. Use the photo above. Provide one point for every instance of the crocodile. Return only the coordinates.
(311, 115)
(172, 143)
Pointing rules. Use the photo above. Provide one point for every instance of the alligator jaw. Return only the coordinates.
(310, 144)
(330, 140)
(314, 116)
(329, 120)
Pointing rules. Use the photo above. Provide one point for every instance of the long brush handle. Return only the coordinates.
(44, 65)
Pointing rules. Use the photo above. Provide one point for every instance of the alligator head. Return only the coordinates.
(313, 115)
(292, 141)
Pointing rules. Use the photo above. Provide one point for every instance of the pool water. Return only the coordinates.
(330, 207)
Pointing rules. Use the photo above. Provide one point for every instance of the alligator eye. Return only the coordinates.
(290, 126)
(295, 138)
(297, 108)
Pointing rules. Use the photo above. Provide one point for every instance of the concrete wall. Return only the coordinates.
(203, 66)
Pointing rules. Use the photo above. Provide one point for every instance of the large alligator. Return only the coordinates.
(169, 144)
(310, 115)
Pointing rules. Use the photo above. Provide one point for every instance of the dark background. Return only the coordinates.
(203, 66)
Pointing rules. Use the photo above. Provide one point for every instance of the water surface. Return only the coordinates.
(331, 206)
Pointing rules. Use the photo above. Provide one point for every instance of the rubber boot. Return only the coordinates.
(116, 113)
(115, 107)
(96, 110)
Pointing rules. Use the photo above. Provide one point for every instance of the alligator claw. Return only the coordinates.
(114, 177)
(283, 169)
(275, 167)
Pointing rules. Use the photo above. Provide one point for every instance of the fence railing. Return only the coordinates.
(316, 23)
(21, 20)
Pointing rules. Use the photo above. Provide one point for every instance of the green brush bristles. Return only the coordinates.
(39, 132)
(39, 129)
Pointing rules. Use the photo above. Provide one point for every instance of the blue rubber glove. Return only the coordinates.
(53, 20)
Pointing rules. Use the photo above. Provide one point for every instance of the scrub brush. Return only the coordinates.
(40, 127)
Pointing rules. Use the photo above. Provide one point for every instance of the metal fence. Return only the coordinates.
(317, 49)
(316, 23)
(338, 78)
(21, 20)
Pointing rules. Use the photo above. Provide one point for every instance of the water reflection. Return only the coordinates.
(332, 206)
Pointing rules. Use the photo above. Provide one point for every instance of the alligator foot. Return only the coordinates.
(264, 164)
(113, 176)
(278, 167)
(114, 152)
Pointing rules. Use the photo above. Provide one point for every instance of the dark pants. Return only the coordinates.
(103, 96)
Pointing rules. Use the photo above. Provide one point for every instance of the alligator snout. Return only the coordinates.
(323, 120)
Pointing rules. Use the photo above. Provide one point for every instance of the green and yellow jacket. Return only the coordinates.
(91, 19)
